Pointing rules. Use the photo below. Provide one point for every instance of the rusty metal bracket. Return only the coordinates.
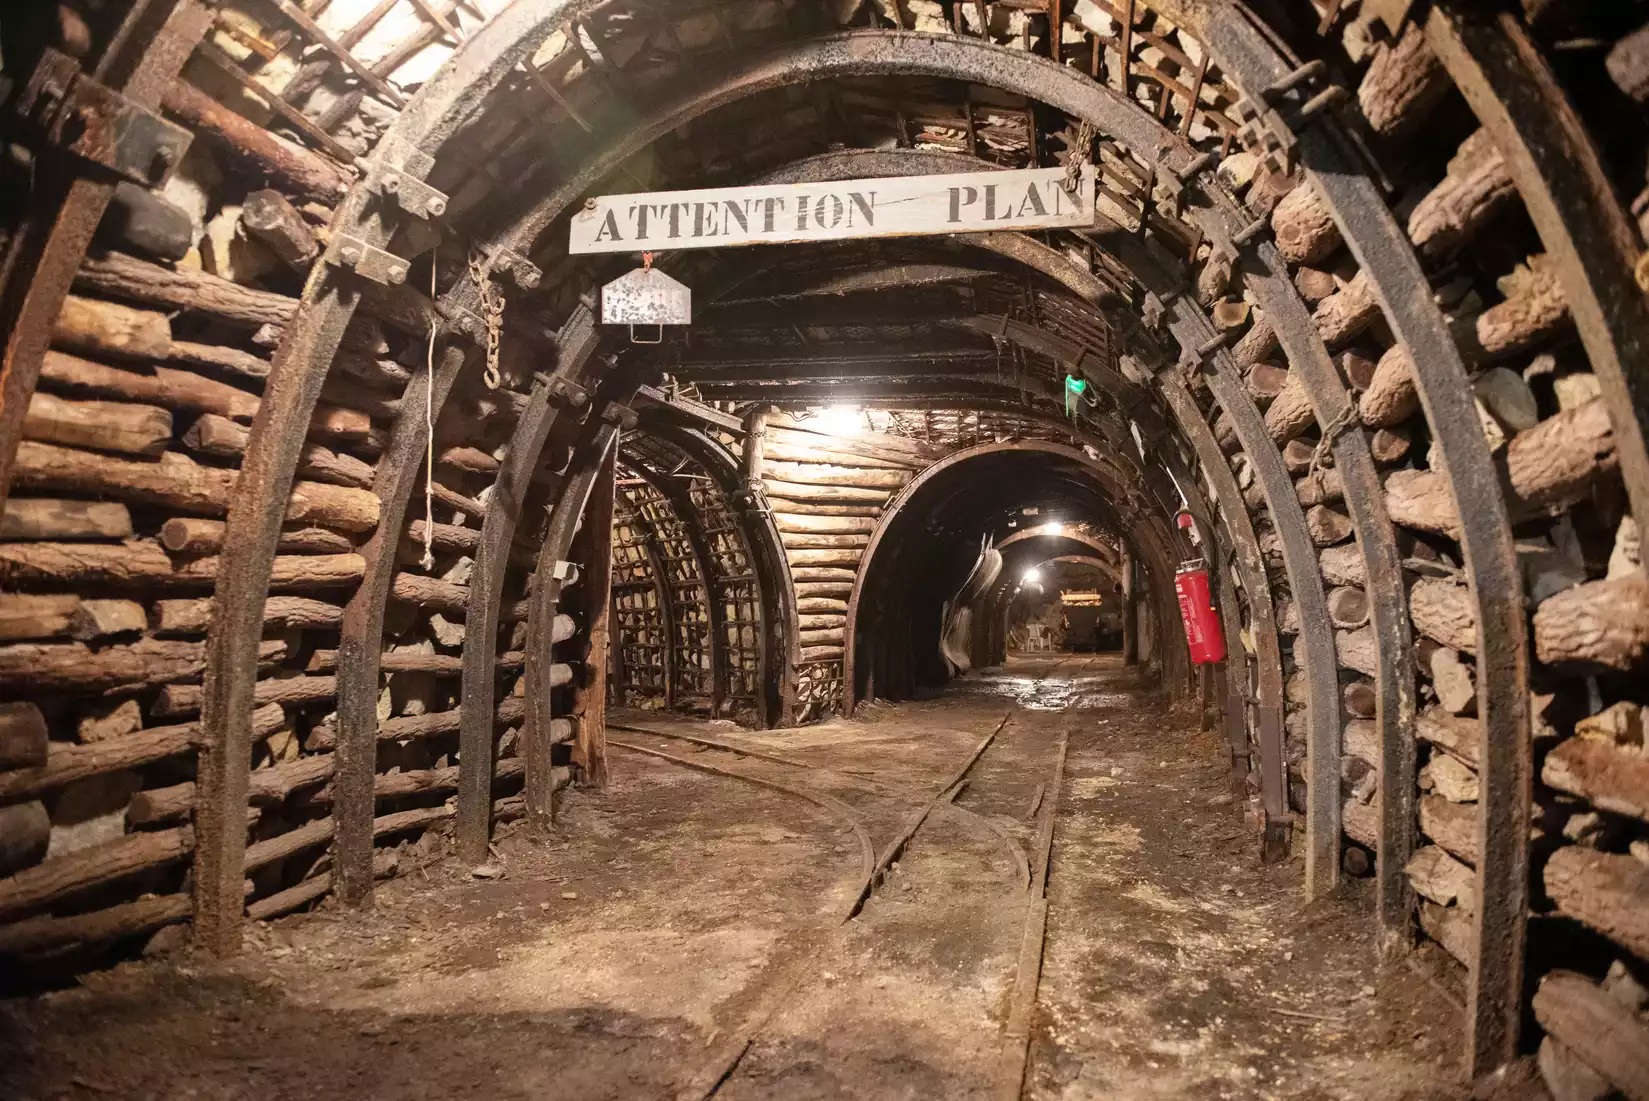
(454, 308)
(99, 125)
(563, 392)
(366, 260)
(404, 185)
(522, 272)
(619, 414)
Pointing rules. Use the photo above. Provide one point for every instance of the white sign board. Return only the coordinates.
(894, 206)
(646, 296)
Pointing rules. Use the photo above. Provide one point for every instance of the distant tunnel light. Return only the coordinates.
(839, 420)
(1053, 527)
(1031, 576)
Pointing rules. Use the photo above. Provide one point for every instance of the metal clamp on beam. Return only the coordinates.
(1249, 232)
(366, 260)
(522, 272)
(404, 185)
(563, 392)
(458, 315)
(99, 125)
(619, 414)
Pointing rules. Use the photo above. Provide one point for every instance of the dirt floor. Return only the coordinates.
(688, 932)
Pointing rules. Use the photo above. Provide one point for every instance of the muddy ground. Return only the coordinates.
(684, 932)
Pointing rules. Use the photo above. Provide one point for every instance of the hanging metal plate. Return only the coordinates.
(646, 296)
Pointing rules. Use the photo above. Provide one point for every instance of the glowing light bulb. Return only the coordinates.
(838, 420)
(1032, 576)
(1053, 527)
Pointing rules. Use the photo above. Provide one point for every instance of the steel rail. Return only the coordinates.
(544, 412)
(1559, 173)
(1383, 251)
(867, 850)
(47, 246)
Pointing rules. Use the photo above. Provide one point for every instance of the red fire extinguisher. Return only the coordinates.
(1196, 608)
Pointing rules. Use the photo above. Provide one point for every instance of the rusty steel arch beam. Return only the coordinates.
(1265, 274)
(46, 248)
(1252, 59)
(1560, 176)
(1190, 325)
(1157, 541)
(552, 394)
(693, 526)
(765, 552)
(598, 435)
(449, 100)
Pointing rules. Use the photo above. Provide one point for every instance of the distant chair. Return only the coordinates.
(1036, 636)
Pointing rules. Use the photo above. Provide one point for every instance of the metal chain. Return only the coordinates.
(1078, 157)
(492, 311)
(1345, 420)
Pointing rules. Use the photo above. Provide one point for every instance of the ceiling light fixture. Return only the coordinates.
(839, 420)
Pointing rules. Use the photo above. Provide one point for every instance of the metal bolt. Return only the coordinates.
(350, 255)
(391, 184)
(396, 273)
(589, 204)
(437, 207)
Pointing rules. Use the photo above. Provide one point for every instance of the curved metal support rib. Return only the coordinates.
(1251, 564)
(440, 109)
(46, 248)
(1560, 176)
(575, 344)
(590, 452)
(1383, 251)
(1266, 275)
(764, 550)
(704, 561)
(361, 637)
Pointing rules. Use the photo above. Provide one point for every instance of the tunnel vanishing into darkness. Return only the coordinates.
(339, 533)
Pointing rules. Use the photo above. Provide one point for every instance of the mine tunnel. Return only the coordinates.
(824, 549)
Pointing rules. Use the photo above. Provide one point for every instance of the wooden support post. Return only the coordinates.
(755, 445)
(590, 750)
(1130, 611)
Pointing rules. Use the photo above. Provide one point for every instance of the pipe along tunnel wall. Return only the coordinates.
(1364, 299)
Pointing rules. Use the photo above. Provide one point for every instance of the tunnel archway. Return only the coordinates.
(1288, 477)
(973, 493)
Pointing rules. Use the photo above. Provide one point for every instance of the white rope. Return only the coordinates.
(429, 427)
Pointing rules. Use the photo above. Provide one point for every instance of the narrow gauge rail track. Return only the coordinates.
(1031, 876)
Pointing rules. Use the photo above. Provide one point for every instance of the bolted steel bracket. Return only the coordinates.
(616, 413)
(404, 185)
(459, 317)
(99, 125)
(522, 272)
(366, 260)
(563, 392)
(1265, 131)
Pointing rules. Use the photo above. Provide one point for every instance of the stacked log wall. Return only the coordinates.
(115, 514)
(827, 491)
(1553, 440)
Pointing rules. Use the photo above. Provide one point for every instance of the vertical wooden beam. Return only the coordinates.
(1130, 610)
(1126, 46)
(590, 751)
(755, 443)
